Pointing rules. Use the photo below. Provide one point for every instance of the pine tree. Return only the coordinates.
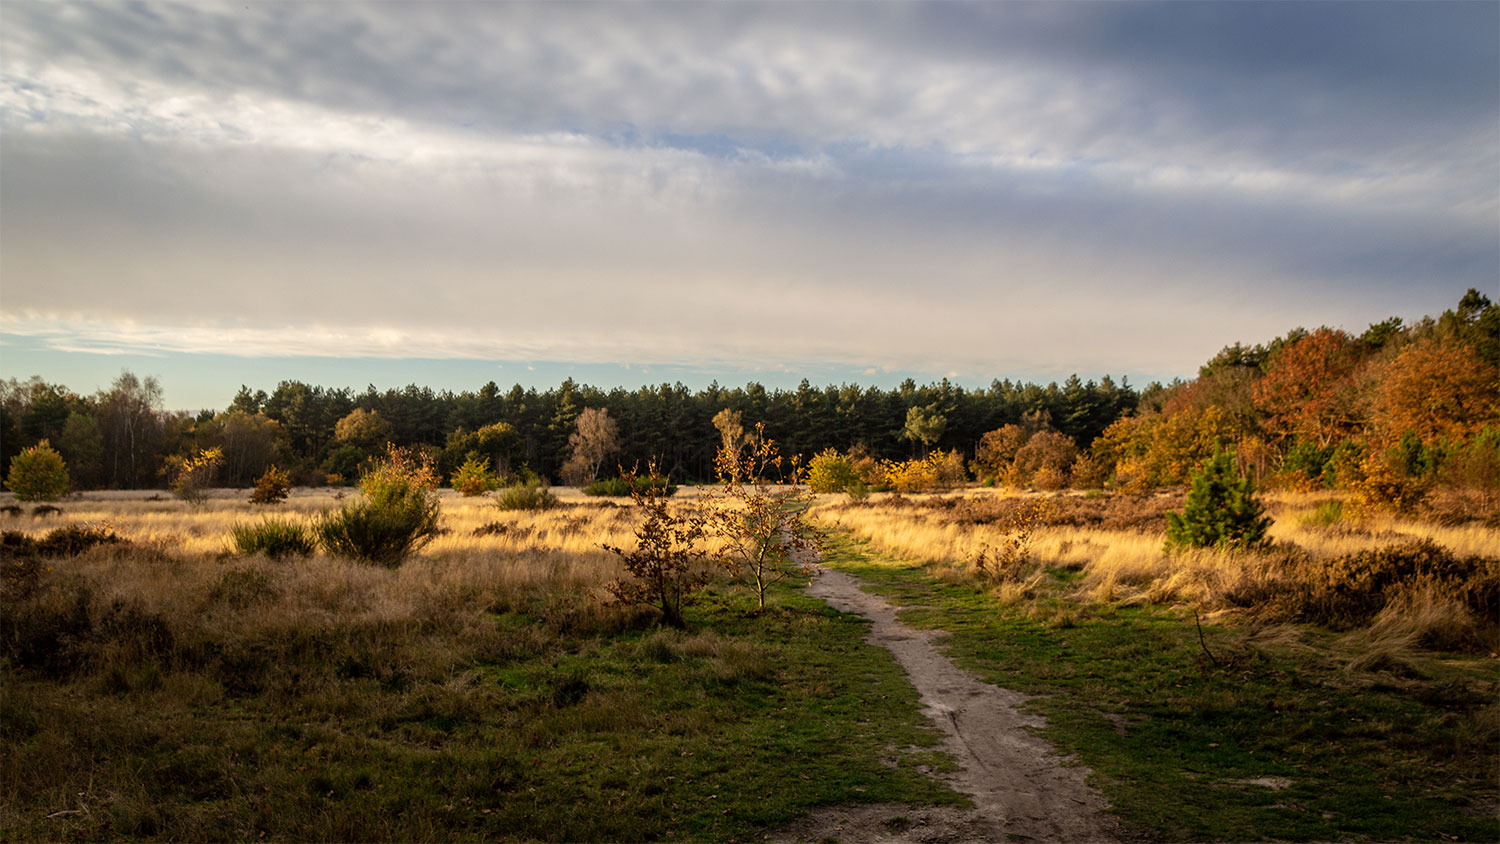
(1221, 510)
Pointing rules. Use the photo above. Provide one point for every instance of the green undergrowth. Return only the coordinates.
(742, 722)
(1264, 734)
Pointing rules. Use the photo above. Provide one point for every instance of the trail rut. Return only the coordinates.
(1021, 789)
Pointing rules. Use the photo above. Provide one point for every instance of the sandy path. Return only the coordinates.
(1020, 788)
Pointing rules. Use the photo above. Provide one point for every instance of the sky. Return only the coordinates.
(628, 193)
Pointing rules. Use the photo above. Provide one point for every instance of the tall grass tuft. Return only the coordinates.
(274, 537)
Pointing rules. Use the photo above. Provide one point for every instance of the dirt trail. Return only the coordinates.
(1020, 788)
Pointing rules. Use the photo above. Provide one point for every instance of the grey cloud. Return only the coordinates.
(918, 169)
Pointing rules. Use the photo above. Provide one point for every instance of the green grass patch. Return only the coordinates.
(1266, 739)
(741, 722)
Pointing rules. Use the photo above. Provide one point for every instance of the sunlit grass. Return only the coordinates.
(1118, 565)
(487, 688)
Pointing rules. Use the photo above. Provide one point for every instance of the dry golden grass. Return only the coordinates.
(178, 565)
(1127, 567)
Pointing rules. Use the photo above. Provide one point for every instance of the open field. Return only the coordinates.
(1379, 721)
(165, 688)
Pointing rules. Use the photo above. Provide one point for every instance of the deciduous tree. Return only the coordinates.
(38, 473)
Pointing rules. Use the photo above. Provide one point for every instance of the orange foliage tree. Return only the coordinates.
(1441, 391)
(1309, 391)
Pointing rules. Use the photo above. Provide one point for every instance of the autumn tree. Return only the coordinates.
(731, 431)
(1152, 450)
(1441, 391)
(1045, 459)
(667, 564)
(191, 476)
(596, 437)
(38, 473)
(760, 523)
(1309, 391)
(996, 455)
(364, 429)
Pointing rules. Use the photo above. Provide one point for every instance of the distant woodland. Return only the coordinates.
(1416, 403)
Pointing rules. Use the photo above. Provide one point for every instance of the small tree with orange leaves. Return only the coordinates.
(759, 515)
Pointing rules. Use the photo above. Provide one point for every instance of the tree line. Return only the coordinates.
(1392, 410)
(121, 438)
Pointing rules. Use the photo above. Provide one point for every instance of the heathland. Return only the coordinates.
(1260, 604)
(160, 685)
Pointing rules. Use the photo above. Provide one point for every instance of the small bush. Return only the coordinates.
(276, 538)
(1353, 590)
(1382, 486)
(666, 565)
(623, 488)
(474, 477)
(38, 473)
(46, 510)
(66, 541)
(272, 487)
(527, 496)
(192, 476)
(1220, 511)
(830, 471)
(381, 534)
(398, 516)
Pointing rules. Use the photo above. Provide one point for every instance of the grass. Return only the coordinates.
(1113, 548)
(163, 687)
(1274, 736)
(479, 691)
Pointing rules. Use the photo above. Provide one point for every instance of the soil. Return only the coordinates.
(1022, 789)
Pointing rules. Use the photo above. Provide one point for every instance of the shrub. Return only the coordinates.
(531, 495)
(830, 471)
(192, 476)
(1044, 460)
(1220, 511)
(627, 487)
(397, 516)
(474, 477)
(272, 487)
(1352, 590)
(67, 541)
(38, 473)
(911, 476)
(276, 538)
(870, 470)
(1381, 486)
(949, 468)
(938, 471)
(665, 565)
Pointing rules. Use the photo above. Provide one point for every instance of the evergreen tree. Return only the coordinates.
(1221, 510)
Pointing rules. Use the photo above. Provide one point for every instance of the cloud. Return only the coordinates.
(951, 186)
